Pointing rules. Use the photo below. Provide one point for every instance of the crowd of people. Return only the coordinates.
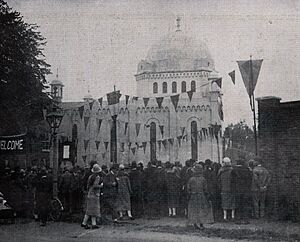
(204, 192)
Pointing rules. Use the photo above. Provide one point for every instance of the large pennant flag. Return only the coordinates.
(100, 101)
(97, 144)
(146, 100)
(190, 94)
(137, 128)
(133, 150)
(232, 76)
(159, 101)
(250, 76)
(144, 144)
(126, 99)
(161, 127)
(106, 145)
(113, 97)
(175, 100)
(218, 81)
(99, 124)
(91, 104)
(126, 126)
(86, 143)
(84, 158)
(81, 109)
(159, 144)
(86, 121)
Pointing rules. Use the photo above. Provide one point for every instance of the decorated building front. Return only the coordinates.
(176, 114)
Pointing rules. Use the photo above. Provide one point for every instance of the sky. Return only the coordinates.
(98, 44)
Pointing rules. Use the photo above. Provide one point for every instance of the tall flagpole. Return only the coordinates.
(252, 103)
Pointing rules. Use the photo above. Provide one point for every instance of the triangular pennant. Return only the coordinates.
(137, 128)
(106, 145)
(250, 77)
(113, 97)
(133, 150)
(175, 100)
(179, 140)
(84, 158)
(164, 142)
(81, 109)
(97, 144)
(86, 121)
(146, 100)
(126, 99)
(144, 144)
(182, 130)
(126, 126)
(232, 76)
(159, 101)
(135, 98)
(103, 155)
(171, 141)
(161, 127)
(91, 104)
(100, 101)
(159, 144)
(190, 94)
(218, 81)
(99, 124)
(86, 143)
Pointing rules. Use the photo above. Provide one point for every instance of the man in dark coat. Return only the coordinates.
(110, 191)
(43, 187)
(242, 181)
(65, 189)
(135, 177)
(211, 178)
(185, 174)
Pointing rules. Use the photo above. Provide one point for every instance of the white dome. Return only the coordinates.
(177, 52)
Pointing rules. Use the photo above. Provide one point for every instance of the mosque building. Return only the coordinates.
(176, 114)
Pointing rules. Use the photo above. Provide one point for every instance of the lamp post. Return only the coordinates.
(54, 119)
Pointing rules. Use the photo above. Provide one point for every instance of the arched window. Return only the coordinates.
(183, 86)
(174, 87)
(193, 86)
(165, 87)
(152, 141)
(155, 87)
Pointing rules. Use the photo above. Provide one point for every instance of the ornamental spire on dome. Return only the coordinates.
(178, 23)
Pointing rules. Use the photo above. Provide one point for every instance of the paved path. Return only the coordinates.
(66, 232)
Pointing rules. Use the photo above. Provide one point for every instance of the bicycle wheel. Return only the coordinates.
(56, 209)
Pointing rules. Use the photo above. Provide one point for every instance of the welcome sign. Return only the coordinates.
(15, 144)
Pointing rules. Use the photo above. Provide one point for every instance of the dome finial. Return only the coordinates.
(57, 72)
(178, 23)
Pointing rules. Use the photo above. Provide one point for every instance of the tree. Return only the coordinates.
(23, 71)
(239, 136)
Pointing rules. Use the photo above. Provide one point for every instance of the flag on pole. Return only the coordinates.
(245, 69)
(106, 145)
(133, 150)
(113, 97)
(84, 158)
(232, 75)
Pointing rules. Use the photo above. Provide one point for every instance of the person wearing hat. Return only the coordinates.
(199, 208)
(227, 192)
(94, 184)
(135, 177)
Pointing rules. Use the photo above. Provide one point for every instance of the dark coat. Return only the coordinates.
(135, 177)
(93, 196)
(242, 179)
(173, 188)
(110, 186)
(43, 193)
(199, 208)
(124, 191)
(225, 179)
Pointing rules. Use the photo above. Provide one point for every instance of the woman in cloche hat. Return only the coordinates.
(94, 185)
